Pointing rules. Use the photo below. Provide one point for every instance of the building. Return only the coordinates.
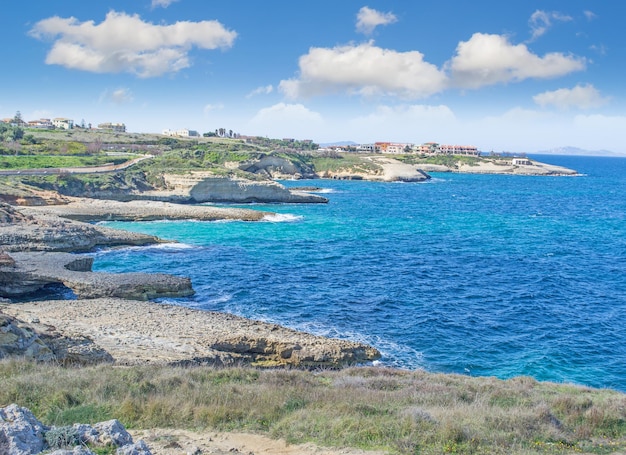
(63, 123)
(42, 123)
(117, 127)
(521, 162)
(181, 133)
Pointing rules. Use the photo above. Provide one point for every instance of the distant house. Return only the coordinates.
(521, 162)
(42, 123)
(117, 127)
(63, 123)
(181, 133)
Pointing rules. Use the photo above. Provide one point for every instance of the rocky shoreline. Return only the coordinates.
(111, 318)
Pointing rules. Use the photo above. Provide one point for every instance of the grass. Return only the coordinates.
(343, 162)
(41, 161)
(369, 408)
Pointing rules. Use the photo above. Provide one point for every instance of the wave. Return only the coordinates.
(282, 218)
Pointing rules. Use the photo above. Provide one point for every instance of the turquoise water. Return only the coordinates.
(472, 274)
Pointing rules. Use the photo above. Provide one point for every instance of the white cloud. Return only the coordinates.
(581, 97)
(364, 69)
(367, 19)
(541, 21)
(492, 59)
(212, 107)
(266, 90)
(162, 3)
(117, 96)
(286, 120)
(590, 15)
(124, 43)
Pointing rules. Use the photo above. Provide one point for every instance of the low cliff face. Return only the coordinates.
(244, 191)
(276, 167)
(27, 232)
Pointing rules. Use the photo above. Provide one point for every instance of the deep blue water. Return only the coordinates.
(474, 274)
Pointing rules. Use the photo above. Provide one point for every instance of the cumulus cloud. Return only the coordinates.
(125, 43)
(491, 59)
(266, 90)
(364, 69)
(581, 97)
(367, 19)
(117, 96)
(162, 3)
(541, 21)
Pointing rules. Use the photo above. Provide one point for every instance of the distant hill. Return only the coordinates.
(575, 151)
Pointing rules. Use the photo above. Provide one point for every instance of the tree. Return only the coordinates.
(18, 118)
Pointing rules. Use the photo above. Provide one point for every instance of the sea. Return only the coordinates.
(481, 275)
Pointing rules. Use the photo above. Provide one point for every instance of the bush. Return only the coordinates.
(62, 437)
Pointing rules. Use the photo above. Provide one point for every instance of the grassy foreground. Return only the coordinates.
(370, 408)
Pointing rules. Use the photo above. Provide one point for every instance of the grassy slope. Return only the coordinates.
(396, 411)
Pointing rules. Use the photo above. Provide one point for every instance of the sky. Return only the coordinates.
(517, 76)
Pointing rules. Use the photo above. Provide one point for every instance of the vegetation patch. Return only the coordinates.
(370, 408)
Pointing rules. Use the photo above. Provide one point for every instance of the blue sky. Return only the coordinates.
(520, 76)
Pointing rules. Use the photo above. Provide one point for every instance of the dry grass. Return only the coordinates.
(396, 411)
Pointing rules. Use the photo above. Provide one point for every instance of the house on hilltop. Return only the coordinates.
(63, 123)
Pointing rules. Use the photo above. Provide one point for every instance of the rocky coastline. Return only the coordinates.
(111, 317)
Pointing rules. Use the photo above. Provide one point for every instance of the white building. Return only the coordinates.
(181, 133)
(63, 123)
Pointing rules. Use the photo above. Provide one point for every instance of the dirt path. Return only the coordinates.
(182, 442)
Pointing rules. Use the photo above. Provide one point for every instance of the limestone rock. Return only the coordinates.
(218, 189)
(43, 344)
(34, 270)
(19, 340)
(276, 167)
(20, 432)
(46, 232)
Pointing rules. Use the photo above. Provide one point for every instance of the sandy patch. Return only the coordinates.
(178, 442)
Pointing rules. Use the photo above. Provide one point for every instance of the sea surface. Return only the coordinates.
(484, 275)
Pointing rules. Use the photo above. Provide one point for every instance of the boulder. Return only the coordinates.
(43, 344)
(22, 434)
(17, 339)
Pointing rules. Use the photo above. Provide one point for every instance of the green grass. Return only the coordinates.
(41, 161)
(343, 162)
(369, 408)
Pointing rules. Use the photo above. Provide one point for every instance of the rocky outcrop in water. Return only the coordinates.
(246, 191)
(34, 270)
(20, 231)
(22, 434)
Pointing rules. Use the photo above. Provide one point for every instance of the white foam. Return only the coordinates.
(282, 218)
(171, 246)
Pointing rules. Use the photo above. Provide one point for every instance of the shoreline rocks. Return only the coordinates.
(136, 332)
(34, 270)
